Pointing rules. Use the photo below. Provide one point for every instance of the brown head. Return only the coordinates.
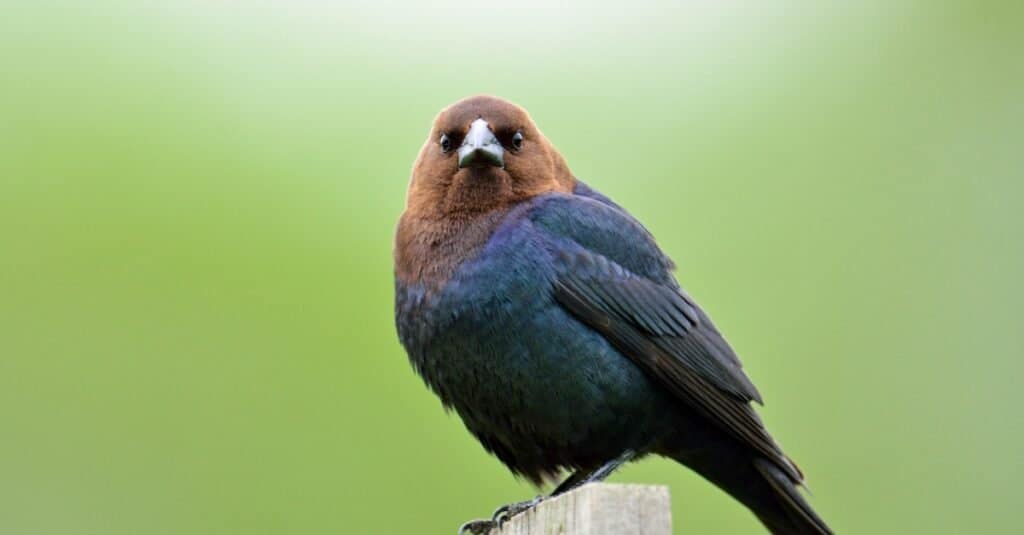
(482, 156)
(483, 153)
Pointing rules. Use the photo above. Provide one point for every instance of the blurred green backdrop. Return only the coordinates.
(197, 202)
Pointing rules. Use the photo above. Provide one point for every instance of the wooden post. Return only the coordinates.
(598, 509)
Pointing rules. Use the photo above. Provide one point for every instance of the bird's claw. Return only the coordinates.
(506, 512)
(501, 515)
(477, 527)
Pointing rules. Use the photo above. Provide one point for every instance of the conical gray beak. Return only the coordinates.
(480, 148)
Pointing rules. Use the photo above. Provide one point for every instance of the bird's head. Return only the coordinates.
(482, 153)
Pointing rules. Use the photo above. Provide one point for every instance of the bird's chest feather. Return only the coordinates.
(496, 347)
(475, 330)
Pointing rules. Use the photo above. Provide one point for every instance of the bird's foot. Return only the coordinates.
(501, 515)
(506, 512)
(477, 527)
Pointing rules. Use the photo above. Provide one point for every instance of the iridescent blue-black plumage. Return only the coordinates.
(548, 318)
(517, 366)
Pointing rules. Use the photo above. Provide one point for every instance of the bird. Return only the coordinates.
(547, 317)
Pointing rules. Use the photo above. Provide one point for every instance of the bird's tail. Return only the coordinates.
(800, 517)
(758, 483)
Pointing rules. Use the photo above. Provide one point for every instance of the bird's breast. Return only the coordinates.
(517, 367)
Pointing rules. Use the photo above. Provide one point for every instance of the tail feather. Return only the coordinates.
(769, 487)
(769, 491)
(800, 513)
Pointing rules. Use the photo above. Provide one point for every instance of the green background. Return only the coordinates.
(197, 202)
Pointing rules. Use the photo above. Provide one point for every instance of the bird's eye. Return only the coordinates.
(446, 143)
(517, 141)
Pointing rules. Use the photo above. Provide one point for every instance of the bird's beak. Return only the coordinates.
(480, 148)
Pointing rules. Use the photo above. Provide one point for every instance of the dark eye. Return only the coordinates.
(446, 143)
(517, 141)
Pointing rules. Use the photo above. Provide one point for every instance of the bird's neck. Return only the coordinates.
(429, 248)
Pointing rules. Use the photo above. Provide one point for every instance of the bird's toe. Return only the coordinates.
(477, 527)
(506, 512)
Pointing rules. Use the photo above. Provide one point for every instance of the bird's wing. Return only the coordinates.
(609, 276)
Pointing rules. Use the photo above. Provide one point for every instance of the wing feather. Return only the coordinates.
(654, 325)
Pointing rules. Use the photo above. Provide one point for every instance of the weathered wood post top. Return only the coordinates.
(598, 509)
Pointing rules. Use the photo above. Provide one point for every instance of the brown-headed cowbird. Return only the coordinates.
(549, 320)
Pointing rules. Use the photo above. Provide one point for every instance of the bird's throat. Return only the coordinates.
(428, 250)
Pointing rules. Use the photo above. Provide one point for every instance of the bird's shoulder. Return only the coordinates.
(589, 220)
(529, 243)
